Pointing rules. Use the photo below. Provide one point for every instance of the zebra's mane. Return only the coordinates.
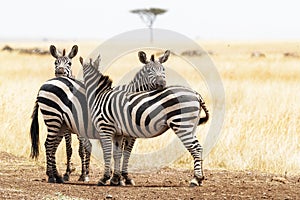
(104, 80)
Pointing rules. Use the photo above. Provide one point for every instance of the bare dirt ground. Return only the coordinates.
(23, 179)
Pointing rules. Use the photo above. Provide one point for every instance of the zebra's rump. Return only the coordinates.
(63, 100)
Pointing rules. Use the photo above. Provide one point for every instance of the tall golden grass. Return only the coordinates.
(261, 129)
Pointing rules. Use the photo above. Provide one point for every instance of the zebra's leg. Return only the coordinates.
(85, 148)
(192, 144)
(88, 152)
(49, 170)
(117, 155)
(81, 152)
(69, 150)
(51, 144)
(106, 143)
(128, 145)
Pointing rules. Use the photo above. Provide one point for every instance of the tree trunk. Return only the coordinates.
(151, 34)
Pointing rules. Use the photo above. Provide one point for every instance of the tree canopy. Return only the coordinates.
(149, 15)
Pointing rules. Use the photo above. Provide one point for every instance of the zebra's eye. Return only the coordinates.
(56, 62)
(70, 63)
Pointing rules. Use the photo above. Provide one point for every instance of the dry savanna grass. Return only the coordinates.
(261, 129)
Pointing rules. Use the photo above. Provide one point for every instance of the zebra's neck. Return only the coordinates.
(138, 86)
(140, 82)
(95, 83)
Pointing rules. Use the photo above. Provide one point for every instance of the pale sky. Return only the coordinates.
(197, 19)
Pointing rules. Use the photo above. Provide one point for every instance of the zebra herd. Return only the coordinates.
(144, 108)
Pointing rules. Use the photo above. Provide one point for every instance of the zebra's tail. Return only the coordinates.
(203, 120)
(34, 133)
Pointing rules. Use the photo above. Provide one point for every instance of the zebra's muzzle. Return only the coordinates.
(59, 72)
(160, 84)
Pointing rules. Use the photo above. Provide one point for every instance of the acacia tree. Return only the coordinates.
(148, 16)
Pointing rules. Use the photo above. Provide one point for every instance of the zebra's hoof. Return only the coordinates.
(115, 180)
(196, 181)
(115, 183)
(59, 180)
(84, 178)
(101, 183)
(51, 180)
(55, 180)
(130, 182)
(122, 183)
(193, 184)
(66, 177)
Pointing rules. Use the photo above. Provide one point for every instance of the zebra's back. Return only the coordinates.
(149, 114)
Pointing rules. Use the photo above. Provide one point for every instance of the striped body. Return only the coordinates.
(147, 114)
(117, 113)
(63, 104)
(62, 100)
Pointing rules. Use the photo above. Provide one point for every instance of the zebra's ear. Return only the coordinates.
(152, 58)
(81, 60)
(97, 61)
(53, 51)
(143, 57)
(73, 52)
(164, 57)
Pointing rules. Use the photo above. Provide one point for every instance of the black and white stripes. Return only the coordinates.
(63, 105)
(51, 98)
(117, 114)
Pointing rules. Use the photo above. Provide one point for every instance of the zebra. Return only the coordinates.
(63, 65)
(118, 114)
(64, 100)
(63, 68)
(151, 77)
